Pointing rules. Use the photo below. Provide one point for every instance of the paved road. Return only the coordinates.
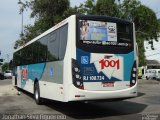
(5, 82)
(146, 105)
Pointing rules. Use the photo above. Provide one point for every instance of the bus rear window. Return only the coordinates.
(124, 33)
(97, 30)
(105, 33)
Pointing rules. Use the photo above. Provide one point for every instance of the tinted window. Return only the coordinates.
(42, 49)
(104, 34)
(26, 56)
(16, 58)
(63, 41)
(36, 51)
(53, 46)
(124, 33)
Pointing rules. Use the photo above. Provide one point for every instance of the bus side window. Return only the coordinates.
(53, 46)
(42, 51)
(63, 41)
(35, 51)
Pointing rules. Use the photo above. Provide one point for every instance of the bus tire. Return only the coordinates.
(37, 94)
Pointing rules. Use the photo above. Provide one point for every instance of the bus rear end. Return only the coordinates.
(104, 66)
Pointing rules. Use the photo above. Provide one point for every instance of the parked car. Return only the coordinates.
(1, 76)
(8, 74)
(150, 74)
(158, 74)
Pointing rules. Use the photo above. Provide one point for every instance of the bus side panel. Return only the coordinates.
(27, 74)
(49, 75)
(51, 90)
(51, 82)
(18, 77)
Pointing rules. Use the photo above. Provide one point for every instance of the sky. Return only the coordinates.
(10, 23)
(10, 26)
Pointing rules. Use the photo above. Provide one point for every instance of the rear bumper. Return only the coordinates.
(80, 95)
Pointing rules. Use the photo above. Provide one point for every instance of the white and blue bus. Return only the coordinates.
(82, 58)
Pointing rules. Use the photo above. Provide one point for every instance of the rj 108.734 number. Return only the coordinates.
(93, 77)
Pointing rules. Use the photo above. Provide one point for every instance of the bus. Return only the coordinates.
(82, 58)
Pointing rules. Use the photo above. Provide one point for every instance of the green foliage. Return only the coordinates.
(146, 22)
(47, 14)
(145, 19)
(87, 8)
(107, 7)
(71, 11)
(159, 25)
(48, 8)
(5, 67)
(141, 51)
(128, 8)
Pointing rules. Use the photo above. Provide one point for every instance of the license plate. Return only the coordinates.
(108, 84)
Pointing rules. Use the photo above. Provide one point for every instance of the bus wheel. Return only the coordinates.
(37, 94)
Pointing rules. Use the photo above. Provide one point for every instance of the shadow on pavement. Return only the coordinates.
(140, 94)
(92, 110)
(80, 110)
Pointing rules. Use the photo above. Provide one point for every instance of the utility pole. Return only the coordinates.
(8, 58)
(1, 60)
(22, 6)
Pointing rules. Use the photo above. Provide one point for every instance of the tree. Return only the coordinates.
(147, 28)
(87, 7)
(46, 12)
(107, 7)
(146, 23)
(145, 19)
(5, 67)
(1, 60)
(128, 8)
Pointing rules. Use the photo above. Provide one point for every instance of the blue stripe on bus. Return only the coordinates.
(128, 64)
(35, 71)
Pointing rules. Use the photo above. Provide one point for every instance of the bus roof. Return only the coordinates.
(101, 17)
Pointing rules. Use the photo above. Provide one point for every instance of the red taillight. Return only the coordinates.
(81, 87)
